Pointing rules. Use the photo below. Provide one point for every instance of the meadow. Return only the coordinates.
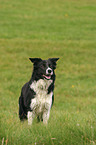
(46, 29)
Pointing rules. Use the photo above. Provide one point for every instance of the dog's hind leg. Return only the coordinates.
(22, 111)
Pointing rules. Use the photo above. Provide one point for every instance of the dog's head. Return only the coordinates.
(44, 69)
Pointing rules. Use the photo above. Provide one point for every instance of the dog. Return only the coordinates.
(37, 95)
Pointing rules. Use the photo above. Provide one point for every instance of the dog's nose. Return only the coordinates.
(49, 71)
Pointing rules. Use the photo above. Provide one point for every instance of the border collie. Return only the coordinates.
(37, 95)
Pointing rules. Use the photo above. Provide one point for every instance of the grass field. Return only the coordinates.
(49, 28)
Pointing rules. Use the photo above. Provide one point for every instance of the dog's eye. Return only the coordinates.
(43, 65)
(50, 65)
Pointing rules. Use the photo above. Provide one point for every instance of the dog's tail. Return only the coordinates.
(22, 111)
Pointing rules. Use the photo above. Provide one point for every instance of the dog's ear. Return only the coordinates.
(35, 60)
(53, 60)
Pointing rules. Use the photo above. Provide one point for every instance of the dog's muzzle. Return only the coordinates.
(49, 71)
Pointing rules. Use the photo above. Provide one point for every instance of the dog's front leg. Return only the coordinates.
(30, 117)
(46, 116)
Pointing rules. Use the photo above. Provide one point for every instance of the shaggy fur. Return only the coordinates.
(37, 95)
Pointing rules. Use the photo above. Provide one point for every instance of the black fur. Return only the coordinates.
(39, 72)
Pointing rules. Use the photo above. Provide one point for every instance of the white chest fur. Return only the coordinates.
(42, 101)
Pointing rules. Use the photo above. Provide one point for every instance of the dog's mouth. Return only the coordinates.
(48, 77)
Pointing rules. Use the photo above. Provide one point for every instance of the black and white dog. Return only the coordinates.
(37, 95)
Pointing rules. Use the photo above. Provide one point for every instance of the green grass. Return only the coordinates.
(58, 28)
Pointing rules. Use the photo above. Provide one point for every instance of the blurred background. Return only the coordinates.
(46, 29)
